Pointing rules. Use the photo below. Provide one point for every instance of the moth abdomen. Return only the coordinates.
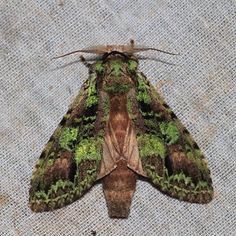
(119, 187)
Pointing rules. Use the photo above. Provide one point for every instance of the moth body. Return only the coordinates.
(118, 129)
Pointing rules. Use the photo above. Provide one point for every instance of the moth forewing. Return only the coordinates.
(117, 129)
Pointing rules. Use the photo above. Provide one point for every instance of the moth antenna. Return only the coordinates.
(67, 54)
(153, 49)
(138, 49)
(101, 50)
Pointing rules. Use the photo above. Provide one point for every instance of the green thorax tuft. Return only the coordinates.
(117, 72)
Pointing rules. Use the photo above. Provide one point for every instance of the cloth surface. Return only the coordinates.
(199, 85)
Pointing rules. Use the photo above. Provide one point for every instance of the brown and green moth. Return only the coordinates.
(118, 129)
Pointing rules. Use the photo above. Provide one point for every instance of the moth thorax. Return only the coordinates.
(117, 84)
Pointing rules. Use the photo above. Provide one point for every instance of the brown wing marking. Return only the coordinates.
(112, 153)
(131, 152)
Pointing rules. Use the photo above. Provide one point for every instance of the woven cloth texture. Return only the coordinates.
(35, 92)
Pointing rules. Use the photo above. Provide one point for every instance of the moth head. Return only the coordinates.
(129, 49)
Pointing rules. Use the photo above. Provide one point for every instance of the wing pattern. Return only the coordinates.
(170, 157)
(86, 147)
(70, 161)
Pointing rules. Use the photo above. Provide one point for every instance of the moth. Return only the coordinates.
(117, 130)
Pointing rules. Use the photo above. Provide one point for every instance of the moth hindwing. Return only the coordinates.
(117, 129)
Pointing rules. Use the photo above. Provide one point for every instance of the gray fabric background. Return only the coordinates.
(36, 91)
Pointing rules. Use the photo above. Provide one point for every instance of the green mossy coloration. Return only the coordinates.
(41, 196)
(68, 136)
(117, 88)
(170, 132)
(91, 171)
(85, 177)
(202, 166)
(195, 154)
(153, 136)
(67, 116)
(180, 185)
(151, 145)
(116, 67)
(168, 110)
(92, 98)
(147, 114)
(41, 165)
(152, 125)
(99, 67)
(181, 177)
(132, 107)
(91, 101)
(106, 108)
(38, 176)
(129, 105)
(132, 65)
(89, 118)
(62, 186)
(48, 148)
(198, 154)
(188, 140)
(50, 162)
(201, 185)
(190, 153)
(77, 120)
(87, 128)
(62, 192)
(142, 93)
(88, 149)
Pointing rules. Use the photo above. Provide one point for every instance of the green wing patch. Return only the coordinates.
(171, 159)
(70, 162)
